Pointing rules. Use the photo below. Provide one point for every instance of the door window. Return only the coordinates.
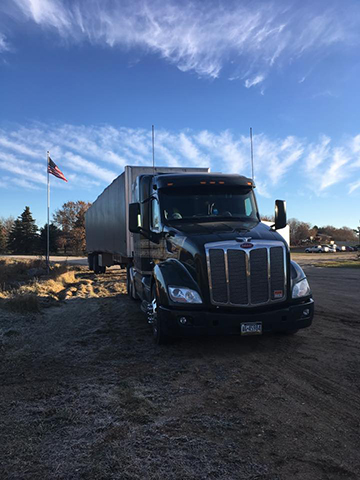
(248, 207)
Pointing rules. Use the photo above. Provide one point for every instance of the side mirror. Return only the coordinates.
(280, 214)
(134, 213)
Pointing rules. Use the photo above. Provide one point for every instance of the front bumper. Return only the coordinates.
(201, 322)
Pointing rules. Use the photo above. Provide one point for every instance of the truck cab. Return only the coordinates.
(204, 263)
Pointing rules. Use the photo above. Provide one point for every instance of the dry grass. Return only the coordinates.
(340, 264)
(12, 270)
(25, 286)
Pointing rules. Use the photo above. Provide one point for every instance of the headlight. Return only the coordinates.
(184, 295)
(301, 289)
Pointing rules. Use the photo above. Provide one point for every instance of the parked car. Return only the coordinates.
(347, 248)
(330, 248)
(317, 249)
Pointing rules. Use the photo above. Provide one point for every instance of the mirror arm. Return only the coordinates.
(148, 199)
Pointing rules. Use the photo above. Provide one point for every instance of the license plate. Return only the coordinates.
(253, 328)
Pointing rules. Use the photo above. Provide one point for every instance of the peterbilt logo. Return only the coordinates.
(246, 245)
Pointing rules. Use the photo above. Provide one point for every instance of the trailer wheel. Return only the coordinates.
(96, 266)
(160, 338)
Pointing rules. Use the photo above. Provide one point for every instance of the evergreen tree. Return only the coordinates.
(53, 240)
(23, 237)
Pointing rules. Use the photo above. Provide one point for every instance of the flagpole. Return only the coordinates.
(48, 214)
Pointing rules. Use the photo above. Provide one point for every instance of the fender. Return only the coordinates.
(172, 272)
(296, 272)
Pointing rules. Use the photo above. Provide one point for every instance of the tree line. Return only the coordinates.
(301, 232)
(67, 231)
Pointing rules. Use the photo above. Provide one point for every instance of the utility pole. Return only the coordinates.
(48, 215)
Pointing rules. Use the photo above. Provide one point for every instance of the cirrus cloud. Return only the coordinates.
(92, 156)
(200, 37)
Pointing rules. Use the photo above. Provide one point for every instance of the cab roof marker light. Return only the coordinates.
(212, 183)
(203, 183)
(170, 184)
(222, 183)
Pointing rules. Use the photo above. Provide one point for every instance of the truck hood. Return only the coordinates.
(206, 232)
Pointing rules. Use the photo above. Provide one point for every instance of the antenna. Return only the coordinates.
(252, 155)
(153, 147)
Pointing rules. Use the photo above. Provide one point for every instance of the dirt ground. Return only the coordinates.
(85, 394)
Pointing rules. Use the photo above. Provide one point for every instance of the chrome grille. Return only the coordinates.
(276, 270)
(259, 280)
(238, 289)
(218, 276)
(246, 277)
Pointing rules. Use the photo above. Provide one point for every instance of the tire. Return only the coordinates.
(91, 261)
(159, 337)
(96, 264)
(97, 269)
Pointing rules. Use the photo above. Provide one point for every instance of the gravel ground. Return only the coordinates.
(86, 395)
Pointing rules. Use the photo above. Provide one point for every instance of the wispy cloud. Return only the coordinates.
(91, 157)
(328, 164)
(325, 93)
(354, 186)
(4, 45)
(201, 37)
(254, 81)
(318, 154)
(81, 165)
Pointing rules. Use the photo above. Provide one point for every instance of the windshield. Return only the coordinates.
(209, 203)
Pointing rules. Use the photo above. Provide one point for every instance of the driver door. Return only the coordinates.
(157, 240)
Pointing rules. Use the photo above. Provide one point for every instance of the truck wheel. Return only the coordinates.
(130, 287)
(158, 334)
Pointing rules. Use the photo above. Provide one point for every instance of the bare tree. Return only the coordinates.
(6, 225)
(299, 231)
(70, 218)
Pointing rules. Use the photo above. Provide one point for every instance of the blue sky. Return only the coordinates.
(87, 79)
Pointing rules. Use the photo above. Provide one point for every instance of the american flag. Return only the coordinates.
(54, 170)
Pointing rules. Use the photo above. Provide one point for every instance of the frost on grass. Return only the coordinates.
(23, 292)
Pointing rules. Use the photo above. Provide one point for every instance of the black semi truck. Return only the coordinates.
(198, 257)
